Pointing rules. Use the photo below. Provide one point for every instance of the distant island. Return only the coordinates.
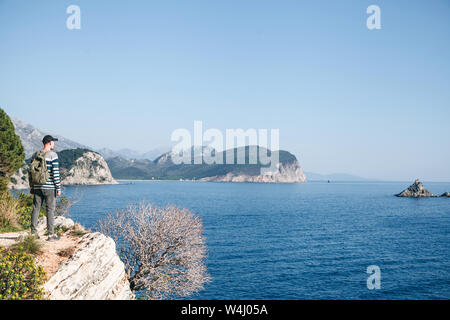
(163, 168)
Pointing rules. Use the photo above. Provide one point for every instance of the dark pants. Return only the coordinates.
(49, 196)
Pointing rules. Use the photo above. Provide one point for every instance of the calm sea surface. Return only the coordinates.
(303, 241)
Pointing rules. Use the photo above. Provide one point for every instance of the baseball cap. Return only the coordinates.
(48, 139)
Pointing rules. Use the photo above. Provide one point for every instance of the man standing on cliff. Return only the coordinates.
(48, 191)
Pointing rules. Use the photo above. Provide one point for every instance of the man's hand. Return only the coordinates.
(58, 193)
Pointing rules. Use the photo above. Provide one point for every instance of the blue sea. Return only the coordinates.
(303, 241)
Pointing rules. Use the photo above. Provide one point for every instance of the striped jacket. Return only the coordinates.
(53, 181)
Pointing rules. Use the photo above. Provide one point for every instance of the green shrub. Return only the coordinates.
(78, 233)
(60, 230)
(8, 212)
(15, 215)
(78, 230)
(20, 279)
(63, 205)
(25, 199)
(25, 202)
(29, 244)
(11, 151)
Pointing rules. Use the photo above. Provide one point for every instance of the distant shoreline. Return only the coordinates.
(311, 181)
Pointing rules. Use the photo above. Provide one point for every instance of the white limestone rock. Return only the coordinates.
(60, 221)
(89, 169)
(290, 172)
(93, 272)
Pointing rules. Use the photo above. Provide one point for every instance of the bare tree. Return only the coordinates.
(63, 204)
(163, 249)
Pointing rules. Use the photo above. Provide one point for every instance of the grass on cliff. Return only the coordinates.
(20, 277)
(15, 213)
(9, 208)
(29, 244)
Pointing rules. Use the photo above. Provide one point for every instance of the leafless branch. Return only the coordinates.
(163, 249)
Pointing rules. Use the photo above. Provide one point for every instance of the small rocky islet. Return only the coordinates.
(417, 190)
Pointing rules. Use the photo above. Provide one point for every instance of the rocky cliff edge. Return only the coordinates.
(82, 265)
(93, 272)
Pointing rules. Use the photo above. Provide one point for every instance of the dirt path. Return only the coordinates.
(52, 253)
(9, 238)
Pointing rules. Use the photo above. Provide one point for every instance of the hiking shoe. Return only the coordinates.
(52, 237)
(35, 235)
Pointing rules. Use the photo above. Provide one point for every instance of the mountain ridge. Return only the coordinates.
(31, 138)
(163, 168)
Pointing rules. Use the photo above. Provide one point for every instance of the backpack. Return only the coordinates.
(38, 169)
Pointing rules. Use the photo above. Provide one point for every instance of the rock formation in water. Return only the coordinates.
(93, 272)
(87, 168)
(416, 190)
(446, 194)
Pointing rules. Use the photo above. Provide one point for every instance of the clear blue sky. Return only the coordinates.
(374, 103)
